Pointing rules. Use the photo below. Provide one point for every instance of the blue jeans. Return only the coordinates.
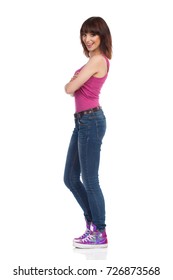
(83, 160)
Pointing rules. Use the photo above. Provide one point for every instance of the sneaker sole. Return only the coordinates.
(89, 246)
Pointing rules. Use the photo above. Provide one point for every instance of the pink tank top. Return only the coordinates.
(87, 96)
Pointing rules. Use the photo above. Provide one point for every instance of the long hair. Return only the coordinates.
(97, 26)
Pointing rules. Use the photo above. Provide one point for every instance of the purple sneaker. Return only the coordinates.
(95, 239)
(86, 233)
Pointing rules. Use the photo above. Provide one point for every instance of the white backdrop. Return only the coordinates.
(39, 51)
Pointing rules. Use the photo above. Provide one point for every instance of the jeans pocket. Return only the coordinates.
(82, 122)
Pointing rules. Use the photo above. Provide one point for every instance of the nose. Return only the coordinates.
(88, 38)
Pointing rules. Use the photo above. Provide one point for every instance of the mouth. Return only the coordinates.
(89, 46)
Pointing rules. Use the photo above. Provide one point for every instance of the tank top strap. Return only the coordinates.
(107, 61)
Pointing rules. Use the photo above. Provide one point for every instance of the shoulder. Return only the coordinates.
(97, 61)
(98, 58)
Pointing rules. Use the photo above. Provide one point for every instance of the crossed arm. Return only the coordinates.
(91, 68)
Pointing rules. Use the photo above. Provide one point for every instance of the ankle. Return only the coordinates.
(96, 229)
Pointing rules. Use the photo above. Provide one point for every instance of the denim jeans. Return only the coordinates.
(82, 166)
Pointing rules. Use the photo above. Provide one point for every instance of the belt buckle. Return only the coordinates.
(90, 111)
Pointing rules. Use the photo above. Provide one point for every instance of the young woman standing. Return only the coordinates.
(83, 155)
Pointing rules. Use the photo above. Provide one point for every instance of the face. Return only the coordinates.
(92, 42)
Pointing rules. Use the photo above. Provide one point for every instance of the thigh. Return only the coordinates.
(72, 165)
(91, 132)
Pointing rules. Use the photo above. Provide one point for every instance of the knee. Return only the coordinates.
(66, 180)
(69, 181)
(91, 184)
(72, 182)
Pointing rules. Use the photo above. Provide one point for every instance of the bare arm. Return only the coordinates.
(91, 68)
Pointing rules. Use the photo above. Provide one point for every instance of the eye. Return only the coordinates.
(93, 34)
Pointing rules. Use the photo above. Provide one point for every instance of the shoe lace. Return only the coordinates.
(90, 237)
(85, 233)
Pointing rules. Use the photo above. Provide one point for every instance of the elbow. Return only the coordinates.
(68, 89)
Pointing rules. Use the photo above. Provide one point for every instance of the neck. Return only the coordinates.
(92, 53)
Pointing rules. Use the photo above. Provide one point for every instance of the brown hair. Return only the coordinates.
(97, 25)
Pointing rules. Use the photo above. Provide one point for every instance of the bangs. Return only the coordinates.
(90, 28)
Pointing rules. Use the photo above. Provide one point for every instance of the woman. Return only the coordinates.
(83, 155)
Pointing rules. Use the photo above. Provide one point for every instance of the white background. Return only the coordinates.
(39, 52)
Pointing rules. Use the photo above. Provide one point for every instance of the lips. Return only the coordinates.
(89, 46)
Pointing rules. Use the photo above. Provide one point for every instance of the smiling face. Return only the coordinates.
(95, 37)
(92, 43)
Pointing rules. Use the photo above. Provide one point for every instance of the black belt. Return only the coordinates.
(89, 111)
